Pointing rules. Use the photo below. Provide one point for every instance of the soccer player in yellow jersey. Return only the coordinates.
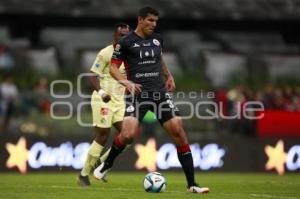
(108, 105)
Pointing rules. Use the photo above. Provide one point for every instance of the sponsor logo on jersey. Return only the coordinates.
(135, 45)
(104, 111)
(130, 109)
(156, 42)
(118, 47)
(147, 62)
(99, 61)
(152, 74)
(147, 44)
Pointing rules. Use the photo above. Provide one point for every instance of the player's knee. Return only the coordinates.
(101, 136)
(178, 121)
(176, 125)
(127, 137)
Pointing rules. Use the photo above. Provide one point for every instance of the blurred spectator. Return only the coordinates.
(278, 100)
(282, 99)
(222, 101)
(247, 124)
(258, 96)
(9, 94)
(288, 99)
(6, 60)
(285, 99)
(296, 98)
(42, 96)
(269, 97)
(235, 98)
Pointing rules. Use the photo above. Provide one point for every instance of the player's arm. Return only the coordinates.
(94, 77)
(170, 83)
(118, 56)
(116, 74)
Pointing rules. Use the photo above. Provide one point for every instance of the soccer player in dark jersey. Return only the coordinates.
(148, 80)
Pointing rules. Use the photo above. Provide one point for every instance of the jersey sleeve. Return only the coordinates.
(99, 63)
(161, 42)
(119, 54)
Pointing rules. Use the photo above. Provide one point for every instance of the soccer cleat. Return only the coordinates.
(83, 181)
(100, 175)
(197, 189)
(97, 164)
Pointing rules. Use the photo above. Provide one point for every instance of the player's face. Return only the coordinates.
(148, 24)
(121, 33)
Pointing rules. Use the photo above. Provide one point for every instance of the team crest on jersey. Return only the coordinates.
(130, 109)
(104, 111)
(156, 42)
(99, 62)
(118, 47)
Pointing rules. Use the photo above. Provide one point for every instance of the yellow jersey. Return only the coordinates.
(107, 82)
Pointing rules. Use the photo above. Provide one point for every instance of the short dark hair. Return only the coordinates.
(120, 25)
(143, 12)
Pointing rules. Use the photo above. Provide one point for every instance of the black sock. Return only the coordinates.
(186, 160)
(115, 150)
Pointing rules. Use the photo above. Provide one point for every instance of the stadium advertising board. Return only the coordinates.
(152, 155)
(278, 124)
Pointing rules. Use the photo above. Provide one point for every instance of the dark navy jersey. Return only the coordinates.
(142, 60)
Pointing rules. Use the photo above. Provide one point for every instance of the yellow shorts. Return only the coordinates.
(106, 114)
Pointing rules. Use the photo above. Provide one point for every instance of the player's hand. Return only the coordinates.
(133, 88)
(170, 84)
(105, 97)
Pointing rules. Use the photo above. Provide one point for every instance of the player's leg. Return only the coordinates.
(118, 126)
(93, 155)
(129, 113)
(127, 135)
(95, 149)
(117, 121)
(174, 128)
(130, 127)
(168, 116)
(179, 137)
(102, 117)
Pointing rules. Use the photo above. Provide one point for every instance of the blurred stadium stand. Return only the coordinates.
(4, 35)
(234, 9)
(70, 40)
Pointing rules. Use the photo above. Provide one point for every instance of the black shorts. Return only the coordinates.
(160, 103)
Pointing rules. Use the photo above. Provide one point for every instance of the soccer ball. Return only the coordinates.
(154, 182)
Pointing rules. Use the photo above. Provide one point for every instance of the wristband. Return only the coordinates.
(101, 92)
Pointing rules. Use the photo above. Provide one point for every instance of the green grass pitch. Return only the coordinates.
(123, 185)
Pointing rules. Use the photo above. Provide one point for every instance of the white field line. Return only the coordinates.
(272, 196)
